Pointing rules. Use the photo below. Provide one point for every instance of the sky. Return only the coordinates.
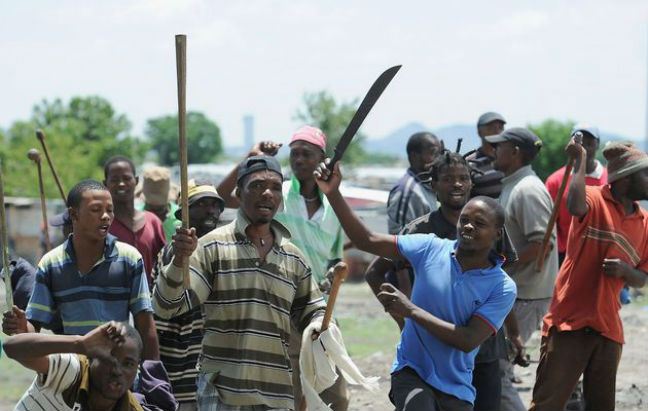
(529, 60)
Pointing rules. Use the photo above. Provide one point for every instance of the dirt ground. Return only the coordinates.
(632, 379)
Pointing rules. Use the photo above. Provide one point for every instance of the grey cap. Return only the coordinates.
(587, 128)
(489, 117)
(518, 135)
(257, 163)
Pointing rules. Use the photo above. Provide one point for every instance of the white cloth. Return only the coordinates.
(318, 359)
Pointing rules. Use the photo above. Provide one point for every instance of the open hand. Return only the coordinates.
(269, 148)
(100, 342)
(14, 321)
(326, 180)
(395, 302)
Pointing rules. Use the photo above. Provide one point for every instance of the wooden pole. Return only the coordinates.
(41, 137)
(34, 156)
(181, 70)
(6, 274)
(340, 273)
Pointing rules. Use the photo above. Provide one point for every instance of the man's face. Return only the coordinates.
(160, 211)
(490, 129)
(121, 182)
(638, 185)
(477, 229)
(94, 216)
(261, 196)
(304, 158)
(113, 377)
(204, 214)
(590, 144)
(453, 186)
(504, 153)
(419, 161)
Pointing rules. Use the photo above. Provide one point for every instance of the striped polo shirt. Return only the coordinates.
(319, 237)
(408, 199)
(114, 286)
(249, 305)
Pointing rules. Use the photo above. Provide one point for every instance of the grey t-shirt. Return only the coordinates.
(527, 204)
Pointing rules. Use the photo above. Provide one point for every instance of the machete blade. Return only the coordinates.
(368, 102)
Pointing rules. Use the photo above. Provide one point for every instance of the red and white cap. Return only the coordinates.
(311, 135)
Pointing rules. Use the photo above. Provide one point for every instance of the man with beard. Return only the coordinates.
(607, 248)
(528, 208)
(141, 229)
(180, 337)
(252, 283)
(90, 372)
(460, 297)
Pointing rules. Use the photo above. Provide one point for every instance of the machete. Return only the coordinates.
(365, 107)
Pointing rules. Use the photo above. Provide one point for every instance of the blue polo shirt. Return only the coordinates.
(443, 290)
(114, 286)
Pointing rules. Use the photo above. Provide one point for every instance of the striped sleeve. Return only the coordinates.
(140, 298)
(308, 300)
(63, 371)
(41, 306)
(171, 298)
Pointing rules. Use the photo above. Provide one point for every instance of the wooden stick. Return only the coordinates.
(181, 70)
(578, 138)
(41, 137)
(340, 273)
(34, 156)
(4, 236)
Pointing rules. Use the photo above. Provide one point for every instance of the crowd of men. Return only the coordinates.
(457, 272)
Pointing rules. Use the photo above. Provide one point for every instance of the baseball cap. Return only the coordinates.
(489, 117)
(257, 163)
(587, 128)
(311, 135)
(197, 189)
(518, 135)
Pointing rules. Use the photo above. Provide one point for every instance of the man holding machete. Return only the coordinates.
(460, 297)
(313, 226)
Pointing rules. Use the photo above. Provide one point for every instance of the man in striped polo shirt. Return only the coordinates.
(91, 278)
(252, 283)
(181, 337)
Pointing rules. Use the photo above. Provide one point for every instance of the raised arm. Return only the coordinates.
(32, 349)
(576, 203)
(228, 184)
(364, 239)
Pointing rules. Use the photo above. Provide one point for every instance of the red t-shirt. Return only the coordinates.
(596, 178)
(148, 240)
(584, 296)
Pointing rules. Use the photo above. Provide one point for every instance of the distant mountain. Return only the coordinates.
(396, 141)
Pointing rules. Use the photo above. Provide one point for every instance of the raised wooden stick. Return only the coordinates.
(34, 156)
(41, 137)
(340, 273)
(578, 136)
(181, 70)
(4, 236)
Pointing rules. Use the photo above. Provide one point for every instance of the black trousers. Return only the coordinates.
(488, 383)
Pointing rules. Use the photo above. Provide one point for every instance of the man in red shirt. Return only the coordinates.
(141, 229)
(607, 247)
(595, 175)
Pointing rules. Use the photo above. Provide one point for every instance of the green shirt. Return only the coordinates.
(170, 223)
(320, 238)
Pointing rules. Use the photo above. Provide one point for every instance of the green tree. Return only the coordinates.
(203, 138)
(322, 111)
(555, 135)
(81, 135)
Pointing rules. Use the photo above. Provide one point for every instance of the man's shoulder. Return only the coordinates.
(127, 251)
(220, 235)
(556, 176)
(55, 256)
(290, 251)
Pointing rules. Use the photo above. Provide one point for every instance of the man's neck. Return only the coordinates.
(627, 203)
(473, 260)
(308, 188)
(450, 214)
(487, 150)
(256, 230)
(98, 402)
(125, 210)
(590, 166)
(89, 248)
(512, 170)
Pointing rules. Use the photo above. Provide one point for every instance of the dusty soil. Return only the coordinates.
(357, 301)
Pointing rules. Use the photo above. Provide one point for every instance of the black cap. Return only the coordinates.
(256, 163)
(519, 135)
(489, 117)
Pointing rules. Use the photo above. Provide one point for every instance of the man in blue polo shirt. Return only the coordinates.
(460, 298)
(91, 278)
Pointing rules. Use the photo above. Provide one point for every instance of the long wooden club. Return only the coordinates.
(4, 236)
(40, 135)
(181, 70)
(578, 136)
(34, 156)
